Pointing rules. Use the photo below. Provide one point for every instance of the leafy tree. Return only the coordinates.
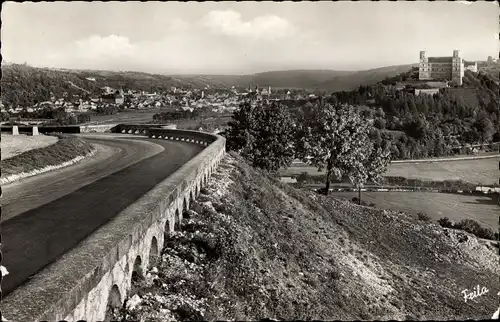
(335, 138)
(5, 116)
(241, 129)
(380, 123)
(485, 129)
(371, 167)
(263, 135)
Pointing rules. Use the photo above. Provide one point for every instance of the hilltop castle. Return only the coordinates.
(444, 68)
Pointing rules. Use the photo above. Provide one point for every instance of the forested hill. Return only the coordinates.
(430, 125)
(25, 85)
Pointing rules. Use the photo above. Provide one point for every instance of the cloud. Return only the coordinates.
(111, 46)
(467, 3)
(179, 25)
(229, 22)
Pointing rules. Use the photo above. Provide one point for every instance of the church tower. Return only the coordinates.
(457, 71)
(423, 68)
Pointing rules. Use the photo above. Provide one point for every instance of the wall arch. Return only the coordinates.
(137, 269)
(166, 232)
(177, 224)
(153, 252)
(114, 302)
(185, 205)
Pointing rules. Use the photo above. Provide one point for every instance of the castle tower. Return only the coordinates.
(423, 68)
(458, 69)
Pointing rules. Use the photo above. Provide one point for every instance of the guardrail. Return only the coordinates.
(180, 135)
(28, 129)
(97, 273)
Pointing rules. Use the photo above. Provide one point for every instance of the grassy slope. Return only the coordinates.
(13, 145)
(267, 250)
(65, 149)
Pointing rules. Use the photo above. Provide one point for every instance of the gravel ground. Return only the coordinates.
(13, 145)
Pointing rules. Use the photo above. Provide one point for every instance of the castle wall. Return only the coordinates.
(452, 69)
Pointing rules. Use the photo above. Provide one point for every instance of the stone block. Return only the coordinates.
(15, 130)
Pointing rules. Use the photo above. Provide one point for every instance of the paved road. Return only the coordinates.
(39, 236)
(32, 192)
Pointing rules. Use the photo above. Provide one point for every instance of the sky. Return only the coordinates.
(244, 37)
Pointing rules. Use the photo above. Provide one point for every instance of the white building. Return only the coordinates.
(472, 66)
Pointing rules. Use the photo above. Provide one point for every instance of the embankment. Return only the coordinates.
(13, 145)
(66, 151)
(255, 248)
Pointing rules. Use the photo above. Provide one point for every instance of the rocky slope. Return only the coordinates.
(253, 248)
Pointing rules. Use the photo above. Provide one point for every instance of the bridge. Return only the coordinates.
(74, 257)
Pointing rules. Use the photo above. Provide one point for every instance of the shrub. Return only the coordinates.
(363, 203)
(423, 216)
(470, 226)
(445, 222)
(473, 227)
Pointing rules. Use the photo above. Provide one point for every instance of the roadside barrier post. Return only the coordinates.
(35, 130)
(15, 130)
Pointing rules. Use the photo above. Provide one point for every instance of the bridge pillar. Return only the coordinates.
(35, 130)
(15, 130)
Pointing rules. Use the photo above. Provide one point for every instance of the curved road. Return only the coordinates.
(77, 202)
(112, 155)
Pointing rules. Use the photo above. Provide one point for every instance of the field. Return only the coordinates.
(480, 171)
(13, 145)
(437, 205)
(142, 116)
(132, 116)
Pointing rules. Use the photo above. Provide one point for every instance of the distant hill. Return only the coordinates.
(364, 77)
(328, 80)
(277, 79)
